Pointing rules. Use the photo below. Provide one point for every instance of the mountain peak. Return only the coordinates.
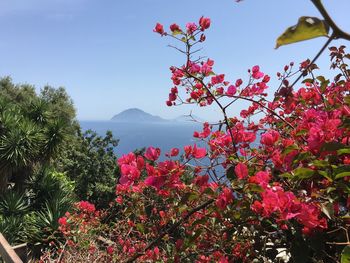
(136, 115)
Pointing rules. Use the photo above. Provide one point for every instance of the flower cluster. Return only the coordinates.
(276, 176)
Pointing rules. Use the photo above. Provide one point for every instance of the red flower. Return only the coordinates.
(174, 152)
(269, 138)
(62, 221)
(174, 28)
(224, 198)
(191, 27)
(110, 250)
(241, 170)
(198, 152)
(231, 90)
(86, 206)
(204, 23)
(256, 74)
(152, 153)
(261, 178)
(159, 29)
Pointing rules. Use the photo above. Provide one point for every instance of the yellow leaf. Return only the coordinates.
(307, 28)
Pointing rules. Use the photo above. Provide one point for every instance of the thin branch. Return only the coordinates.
(336, 30)
(171, 229)
(329, 40)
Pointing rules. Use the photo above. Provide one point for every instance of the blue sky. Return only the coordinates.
(107, 57)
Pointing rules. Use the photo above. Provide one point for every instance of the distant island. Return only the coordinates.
(137, 115)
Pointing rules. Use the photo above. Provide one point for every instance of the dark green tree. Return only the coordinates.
(90, 162)
(33, 128)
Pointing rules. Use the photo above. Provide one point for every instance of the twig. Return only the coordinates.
(336, 30)
(171, 229)
(329, 40)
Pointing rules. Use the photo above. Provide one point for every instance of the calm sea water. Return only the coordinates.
(134, 136)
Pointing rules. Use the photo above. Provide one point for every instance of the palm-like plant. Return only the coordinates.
(41, 226)
(47, 185)
(13, 228)
(51, 197)
(13, 203)
(55, 133)
(13, 208)
(19, 147)
(37, 110)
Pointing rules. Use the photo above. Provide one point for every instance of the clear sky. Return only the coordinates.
(107, 57)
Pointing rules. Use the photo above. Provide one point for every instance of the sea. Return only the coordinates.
(133, 136)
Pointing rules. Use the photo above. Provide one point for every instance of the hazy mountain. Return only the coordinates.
(136, 115)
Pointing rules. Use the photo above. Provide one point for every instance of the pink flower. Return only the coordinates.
(129, 174)
(217, 79)
(198, 152)
(62, 221)
(119, 200)
(155, 181)
(231, 90)
(140, 162)
(241, 170)
(269, 138)
(256, 74)
(201, 180)
(174, 28)
(261, 178)
(152, 153)
(204, 23)
(156, 251)
(188, 150)
(225, 198)
(206, 69)
(174, 152)
(110, 250)
(205, 133)
(191, 27)
(159, 29)
(86, 206)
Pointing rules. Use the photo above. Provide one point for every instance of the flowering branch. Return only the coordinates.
(171, 229)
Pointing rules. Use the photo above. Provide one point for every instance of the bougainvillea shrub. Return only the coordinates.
(271, 185)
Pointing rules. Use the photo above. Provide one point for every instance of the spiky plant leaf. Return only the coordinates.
(13, 203)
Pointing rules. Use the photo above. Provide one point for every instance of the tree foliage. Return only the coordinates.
(89, 160)
(33, 128)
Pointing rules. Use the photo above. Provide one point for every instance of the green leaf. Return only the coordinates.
(328, 210)
(345, 255)
(308, 81)
(332, 146)
(343, 151)
(286, 175)
(307, 28)
(183, 208)
(347, 99)
(254, 188)
(303, 173)
(230, 173)
(176, 32)
(193, 196)
(325, 174)
(324, 82)
(301, 157)
(140, 228)
(289, 149)
(320, 163)
(342, 171)
(341, 175)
